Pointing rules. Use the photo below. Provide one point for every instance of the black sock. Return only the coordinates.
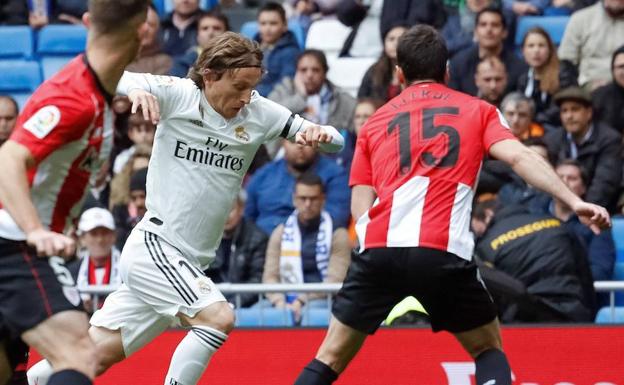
(69, 377)
(316, 373)
(18, 378)
(492, 365)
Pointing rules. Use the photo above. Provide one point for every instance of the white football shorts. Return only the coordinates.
(159, 283)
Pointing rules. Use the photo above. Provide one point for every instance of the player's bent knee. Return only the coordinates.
(219, 316)
(109, 347)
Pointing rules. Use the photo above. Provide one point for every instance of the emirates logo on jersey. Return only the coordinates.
(240, 133)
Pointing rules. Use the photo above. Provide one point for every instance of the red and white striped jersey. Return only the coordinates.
(422, 152)
(67, 127)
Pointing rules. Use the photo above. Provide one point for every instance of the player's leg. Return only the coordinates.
(5, 366)
(340, 345)
(63, 339)
(362, 303)
(17, 355)
(209, 331)
(484, 345)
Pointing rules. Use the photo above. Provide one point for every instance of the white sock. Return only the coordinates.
(193, 354)
(39, 373)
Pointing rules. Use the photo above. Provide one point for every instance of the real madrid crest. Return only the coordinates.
(204, 286)
(241, 134)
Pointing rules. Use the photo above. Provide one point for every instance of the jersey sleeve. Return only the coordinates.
(51, 123)
(279, 120)
(167, 89)
(361, 169)
(496, 127)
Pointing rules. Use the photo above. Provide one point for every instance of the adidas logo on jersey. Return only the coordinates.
(196, 122)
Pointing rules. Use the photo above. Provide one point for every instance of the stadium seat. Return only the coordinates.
(617, 231)
(250, 29)
(604, 315)
(21, 98)
(328, 35)
(19, 76)
(52, 64)
(315, 317)
(348, 72)
(554, 25)
(266, 316)
(66, 40)
(17, 42)
(203, 4)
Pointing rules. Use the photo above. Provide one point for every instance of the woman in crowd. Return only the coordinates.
(541, 81)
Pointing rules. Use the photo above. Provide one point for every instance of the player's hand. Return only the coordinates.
(49, 243)
(147, 102)
(312, 136)
(594, 216)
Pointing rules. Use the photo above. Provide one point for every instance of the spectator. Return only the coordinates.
(491, 80)
(590, 38)
(519, 111)
(43, 12)
(608, 101)
(596, 146)
(364, 17)
(141, 133)
(309, 247)
(364, 108)
(8, 116)
(380, 80)
(600, 248)
(517, 191)
(538, 251)
(279, 46)
(240, 256)
(526, 7)
(99, 263)
(151, 57)
(179, 29)
(128, 214)
(314, 97)
(570, 6)
(270, 189)
(541, 81)
(458, 31)
(13, 12)
(411, 12)
(209, 24)
(490, 33)
(99, 191)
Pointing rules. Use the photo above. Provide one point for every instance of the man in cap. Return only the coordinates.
(595, 145)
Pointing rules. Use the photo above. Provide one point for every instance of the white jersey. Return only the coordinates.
(199, 160)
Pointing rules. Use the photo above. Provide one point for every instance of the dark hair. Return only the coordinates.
(383, 69)
(11, 100)
(549, 73)
(317, 54)
(480, 209)
(422, 54)
(272, 6)
(618, 51)
(215, 13)
(377, 103)
(491, 9)
(226, 52)
(535, 141)
(577, 164)
(110, 15)
(310, 179)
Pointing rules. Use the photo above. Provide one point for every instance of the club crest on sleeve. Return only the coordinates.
(162, 80)
(240, 133)
(42, 122)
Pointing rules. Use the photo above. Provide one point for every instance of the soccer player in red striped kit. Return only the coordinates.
(60, 140)
(414, 171)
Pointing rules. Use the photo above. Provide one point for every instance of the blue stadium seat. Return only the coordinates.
(19, 76)
(68, 40)
(250, 29)
(604, 315)
(618, 236)
(160, 7)
(21, 98)
(554, 25)
(266, 316)
(315, 317)
(17, 42)
(50, 65)
(203, 4)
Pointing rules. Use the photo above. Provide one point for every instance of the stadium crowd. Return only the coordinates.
(292, 223)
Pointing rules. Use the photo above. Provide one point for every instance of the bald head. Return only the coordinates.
(8, 117)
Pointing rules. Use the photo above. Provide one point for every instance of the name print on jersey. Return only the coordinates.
(212, 155)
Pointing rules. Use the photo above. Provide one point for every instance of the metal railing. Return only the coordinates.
(328, 288)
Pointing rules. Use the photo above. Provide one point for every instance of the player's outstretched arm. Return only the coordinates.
(15, 197)
(538, 173)
(325, 138)
(138, 88)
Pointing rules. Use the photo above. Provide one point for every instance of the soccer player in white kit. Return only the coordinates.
(210, 127)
